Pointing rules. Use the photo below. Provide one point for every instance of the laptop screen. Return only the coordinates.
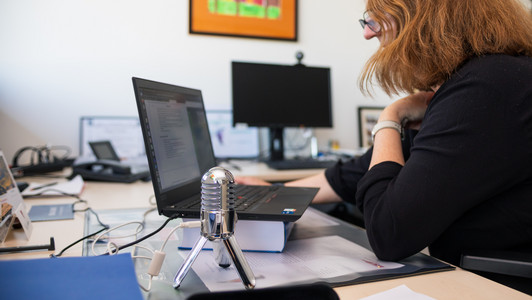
(177, 137)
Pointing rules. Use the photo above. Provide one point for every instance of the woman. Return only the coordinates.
(467, 183)
(464, 180)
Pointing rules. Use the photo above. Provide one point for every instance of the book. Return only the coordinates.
(262, 236)
(86, 277)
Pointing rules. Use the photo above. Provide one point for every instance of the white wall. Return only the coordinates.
(60, 60)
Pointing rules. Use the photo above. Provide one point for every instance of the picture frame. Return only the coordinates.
(367, 118)
(263, 19)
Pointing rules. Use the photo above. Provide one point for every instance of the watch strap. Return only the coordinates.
(386, 124)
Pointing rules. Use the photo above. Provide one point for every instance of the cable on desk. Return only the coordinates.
(48, 189)
(74, 243)
(139, 229)
(144, 237)
(105, 226)
(152, 200)
(158, 256)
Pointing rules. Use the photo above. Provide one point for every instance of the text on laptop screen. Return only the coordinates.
(173, 118)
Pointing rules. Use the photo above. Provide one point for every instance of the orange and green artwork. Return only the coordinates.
(271, 19)
(261, 9)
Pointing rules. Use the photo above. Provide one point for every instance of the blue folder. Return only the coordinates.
(100, 277)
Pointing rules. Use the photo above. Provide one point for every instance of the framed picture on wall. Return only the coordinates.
(367, 118)
(266, 19)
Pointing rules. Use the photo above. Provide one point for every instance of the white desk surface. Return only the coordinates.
(457, 284)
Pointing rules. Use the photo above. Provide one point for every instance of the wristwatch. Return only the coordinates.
(386, 124)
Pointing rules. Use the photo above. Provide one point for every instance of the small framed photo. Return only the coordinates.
(253, 19)
(367, 118)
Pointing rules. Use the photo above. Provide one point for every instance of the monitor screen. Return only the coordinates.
(268, 95)
(231, 142)
(124, 133)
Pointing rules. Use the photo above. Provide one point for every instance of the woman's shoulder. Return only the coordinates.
(498, 64)
(501, 72)
(495, 79)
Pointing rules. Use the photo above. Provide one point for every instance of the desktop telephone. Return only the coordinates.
(108, 170)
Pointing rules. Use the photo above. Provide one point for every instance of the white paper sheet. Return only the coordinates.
(308, 259)
(314, 219)
(401, 292)
(71, 187)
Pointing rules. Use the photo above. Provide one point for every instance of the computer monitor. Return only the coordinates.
(123, 132)
(279, 96)
(229, 141)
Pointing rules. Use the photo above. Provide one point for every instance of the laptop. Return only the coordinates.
(180, 151)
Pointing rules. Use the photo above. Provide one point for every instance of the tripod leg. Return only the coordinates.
(189, 261)
(241, 264)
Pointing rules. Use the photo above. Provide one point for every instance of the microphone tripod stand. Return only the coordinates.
(218, 218)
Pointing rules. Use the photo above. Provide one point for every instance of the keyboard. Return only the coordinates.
(250, 196)
(247, 197)
(290, 164)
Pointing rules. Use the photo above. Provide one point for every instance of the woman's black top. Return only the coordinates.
(467, 180)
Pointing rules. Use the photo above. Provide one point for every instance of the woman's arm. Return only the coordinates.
(325, 195)
(407, 111)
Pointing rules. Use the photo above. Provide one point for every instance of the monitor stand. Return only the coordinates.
(276, 143)
(278, 162)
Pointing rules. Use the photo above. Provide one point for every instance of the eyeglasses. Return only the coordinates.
(372, 25)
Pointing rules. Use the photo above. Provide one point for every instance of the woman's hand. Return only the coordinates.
(408, 111)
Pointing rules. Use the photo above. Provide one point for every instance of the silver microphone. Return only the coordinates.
(218, 218)
(218, 215)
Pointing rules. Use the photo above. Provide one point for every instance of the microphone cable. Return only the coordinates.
(115, 251)
(157, 257)
(105, 226)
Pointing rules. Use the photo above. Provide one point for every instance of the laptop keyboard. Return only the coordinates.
(248, 197)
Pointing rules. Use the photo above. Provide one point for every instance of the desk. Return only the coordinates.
(457, 284)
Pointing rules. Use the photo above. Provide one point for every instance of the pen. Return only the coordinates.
(43, 186)
(49, 247)
(373, 263)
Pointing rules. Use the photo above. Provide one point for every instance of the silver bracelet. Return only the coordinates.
(386, 124)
